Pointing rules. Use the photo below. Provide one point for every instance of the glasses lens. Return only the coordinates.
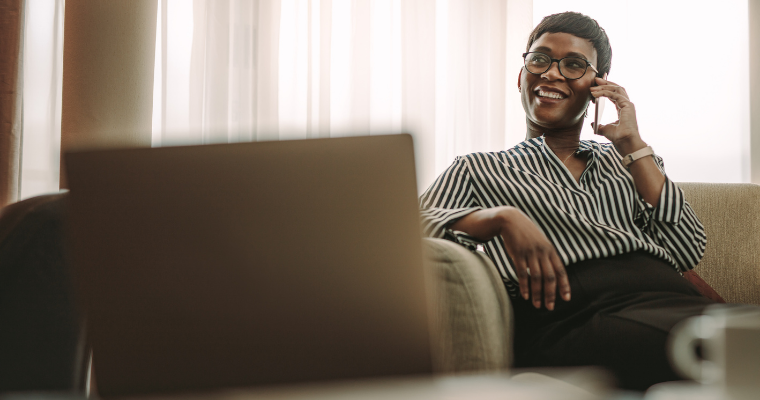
(573, 68)
(537, 63)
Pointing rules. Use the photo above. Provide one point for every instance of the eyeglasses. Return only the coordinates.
(570, 67)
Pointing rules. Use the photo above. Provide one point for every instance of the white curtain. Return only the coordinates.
(239, 70)
(43, 71)
(242, 70)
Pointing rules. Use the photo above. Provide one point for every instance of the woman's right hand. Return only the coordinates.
(538, 267)
(535, 259)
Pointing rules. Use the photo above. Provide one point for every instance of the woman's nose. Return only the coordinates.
(553, 72)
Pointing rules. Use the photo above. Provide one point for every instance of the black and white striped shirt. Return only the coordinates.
(599, 217)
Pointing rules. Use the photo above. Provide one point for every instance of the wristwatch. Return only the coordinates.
(646, 151)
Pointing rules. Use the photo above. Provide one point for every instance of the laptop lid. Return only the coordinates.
(201, 267)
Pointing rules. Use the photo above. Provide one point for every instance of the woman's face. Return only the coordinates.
(567, 111)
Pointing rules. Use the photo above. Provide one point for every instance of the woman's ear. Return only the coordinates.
(519, 78)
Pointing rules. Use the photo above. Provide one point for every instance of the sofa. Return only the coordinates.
(474, 314)
(42, 346)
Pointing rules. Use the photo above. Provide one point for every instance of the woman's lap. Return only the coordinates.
(621, 311)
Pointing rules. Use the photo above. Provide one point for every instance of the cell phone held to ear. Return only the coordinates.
(599, 110)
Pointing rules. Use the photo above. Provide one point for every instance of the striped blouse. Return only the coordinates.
(601, 216)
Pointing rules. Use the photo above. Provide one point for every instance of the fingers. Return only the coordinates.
(620, 100)
(562, 280)
(536, 281)
(609, 90)
(614, 88)
(611, 94)
(604, 126)
(601, 81)
(601, 130)
(543, 274)
(550, 282)
(521, 268)
(535, 261)
(555, 277)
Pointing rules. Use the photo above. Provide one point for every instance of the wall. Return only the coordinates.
(108, 57)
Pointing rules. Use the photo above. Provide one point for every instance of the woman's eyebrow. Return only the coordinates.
(574, 54)
(545, 49)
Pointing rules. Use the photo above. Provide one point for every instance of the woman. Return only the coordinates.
(591, 245)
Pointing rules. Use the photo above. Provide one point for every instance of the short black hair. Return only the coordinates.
(579, 25)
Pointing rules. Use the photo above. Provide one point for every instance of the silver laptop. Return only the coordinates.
(204, 267)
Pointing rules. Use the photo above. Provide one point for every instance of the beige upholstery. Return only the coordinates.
(730, 213)
(471, 308)
(474, 314)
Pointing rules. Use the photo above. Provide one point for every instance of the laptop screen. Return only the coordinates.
(203, 267)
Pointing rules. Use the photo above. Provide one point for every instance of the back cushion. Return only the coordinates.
(730, 213)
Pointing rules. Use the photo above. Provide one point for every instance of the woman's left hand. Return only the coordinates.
(625, 130)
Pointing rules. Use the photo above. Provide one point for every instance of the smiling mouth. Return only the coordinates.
(550, 95)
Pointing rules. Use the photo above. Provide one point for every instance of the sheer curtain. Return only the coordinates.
(241, 70)
(43, 69)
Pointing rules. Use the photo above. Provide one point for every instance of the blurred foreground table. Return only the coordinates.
(473, 387)
(575, 384)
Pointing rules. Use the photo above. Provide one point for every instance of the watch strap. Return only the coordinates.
(646, 151)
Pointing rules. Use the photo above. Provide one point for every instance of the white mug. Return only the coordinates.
(730, 341)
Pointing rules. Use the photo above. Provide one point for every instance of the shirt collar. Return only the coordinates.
(584, 145)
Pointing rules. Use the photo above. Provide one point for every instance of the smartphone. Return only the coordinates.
(599, 109)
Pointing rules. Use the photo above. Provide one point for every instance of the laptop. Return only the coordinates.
(248, 264)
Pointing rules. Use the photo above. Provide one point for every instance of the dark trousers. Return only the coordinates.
(619, 316)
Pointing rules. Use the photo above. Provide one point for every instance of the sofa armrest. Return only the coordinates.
(730, 213)
(42, 340)
(471, 309)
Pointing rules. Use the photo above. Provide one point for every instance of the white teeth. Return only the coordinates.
(551, 95)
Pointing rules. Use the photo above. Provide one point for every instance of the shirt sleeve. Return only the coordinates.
(447, 200)
(673, 224)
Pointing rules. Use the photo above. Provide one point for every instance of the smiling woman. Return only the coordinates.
(591, 239)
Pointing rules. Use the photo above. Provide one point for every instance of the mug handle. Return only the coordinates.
(682, 348)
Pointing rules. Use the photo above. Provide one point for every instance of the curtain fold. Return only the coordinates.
(11, 98)
(294, 69)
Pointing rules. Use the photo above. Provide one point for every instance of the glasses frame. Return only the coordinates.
(553, 60)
